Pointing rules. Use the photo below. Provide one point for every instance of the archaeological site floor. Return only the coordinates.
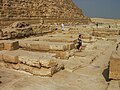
(51, 62)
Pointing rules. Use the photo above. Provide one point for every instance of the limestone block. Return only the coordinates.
(41, 72)
(21, 67)
(114, 71)
(10, 57)
(44, 46)
(1, 56)
(11, 45)
(34, 70)
(57, 39)
(58, 47)
(1, 46)
(1, 33)
(35, 45)
(36, 59)
(46, 71)
(63, 54)
(70, 46)
(86, 37)
(22, 43)
(31, 61)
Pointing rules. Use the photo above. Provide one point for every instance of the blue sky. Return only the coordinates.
(100, 8)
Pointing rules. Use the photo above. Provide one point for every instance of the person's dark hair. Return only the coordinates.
(79, 35)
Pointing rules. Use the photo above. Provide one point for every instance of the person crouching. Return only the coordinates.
(79, 43)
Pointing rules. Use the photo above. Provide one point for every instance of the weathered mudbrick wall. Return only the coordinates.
(48, 10)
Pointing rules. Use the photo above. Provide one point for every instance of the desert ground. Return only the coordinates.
(42, 57)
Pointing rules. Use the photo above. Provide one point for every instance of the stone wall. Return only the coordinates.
(49, 10)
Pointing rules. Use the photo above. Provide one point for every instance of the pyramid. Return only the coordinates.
(48, 10)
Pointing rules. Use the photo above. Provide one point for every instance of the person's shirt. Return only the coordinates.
(79, 40)
(62, 25)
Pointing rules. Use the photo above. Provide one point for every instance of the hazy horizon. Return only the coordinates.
(100, 8)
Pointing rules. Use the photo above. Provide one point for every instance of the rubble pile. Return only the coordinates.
(23, 29)
(16, 30)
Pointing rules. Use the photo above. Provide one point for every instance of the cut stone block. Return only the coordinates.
(70, 46)
(11, 45)
(37, 59)
(31, 61)
(1, 56)
(34, 45)
(57, 39)
(46, 46)
(43, 71)
(39, 46)
(9, 57)
(64, 54)
(1, 46)
(34, 70)
(54, 46)
(114, 72)
(58, 47)
(86, 37)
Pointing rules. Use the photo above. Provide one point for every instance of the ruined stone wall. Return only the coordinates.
(40, 9)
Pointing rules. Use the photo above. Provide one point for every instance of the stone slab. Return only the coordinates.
(72, 64)
(46, 46)
(34, 45)
(57, 39)
(1, 56)
(1, 46)
(34, 70)
(114, 72)
(58, 47)
(64, 54)
(11, 45)
(37, 59)
(9, 57)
